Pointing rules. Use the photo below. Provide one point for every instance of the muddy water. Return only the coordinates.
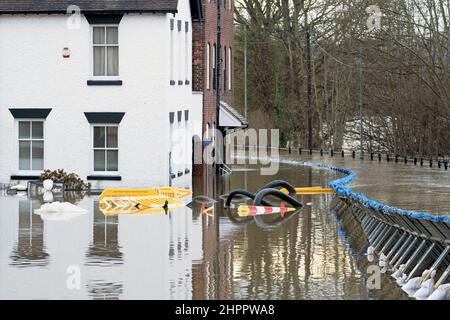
(186, 254)
(406, 186)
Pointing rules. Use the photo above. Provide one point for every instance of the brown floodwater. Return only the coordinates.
(187, 254)
(406, 186)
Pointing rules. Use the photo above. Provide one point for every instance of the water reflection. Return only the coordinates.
(184, 254)
(99, 290)
(104, 249)
(302, 258)
(29, 250)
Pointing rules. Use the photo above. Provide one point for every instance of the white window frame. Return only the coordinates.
(171, 53)
(230, 65)
(186, 49)
(92, 45)
(213, 67)
(208, 66)
(93, 149)
(29, 172)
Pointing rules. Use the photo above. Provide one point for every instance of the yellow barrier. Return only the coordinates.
(131, 201)
(310, 191)
(163, 191)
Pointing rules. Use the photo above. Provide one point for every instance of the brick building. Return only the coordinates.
(205, 53)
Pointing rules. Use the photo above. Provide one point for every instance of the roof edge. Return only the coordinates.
(14, 12)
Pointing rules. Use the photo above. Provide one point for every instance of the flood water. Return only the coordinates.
(187, 254)
(405, 186)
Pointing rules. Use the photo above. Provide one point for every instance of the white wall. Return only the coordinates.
(33, 74)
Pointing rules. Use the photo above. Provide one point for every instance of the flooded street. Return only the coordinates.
(405, 186)
(187, 254)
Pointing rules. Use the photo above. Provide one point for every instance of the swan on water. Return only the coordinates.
(441, 293)
(426, 289)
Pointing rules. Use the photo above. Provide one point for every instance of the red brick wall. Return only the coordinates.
(198, 56)
(205, 33)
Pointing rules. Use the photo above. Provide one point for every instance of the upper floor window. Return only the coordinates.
(214, 75)
(31, 145)
(225, 66)
(230, 66)
(208, 66)
(105, 43)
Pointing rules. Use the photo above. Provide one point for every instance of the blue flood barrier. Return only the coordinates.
(342, 190)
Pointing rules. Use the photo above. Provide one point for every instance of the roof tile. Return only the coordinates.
(98, 6)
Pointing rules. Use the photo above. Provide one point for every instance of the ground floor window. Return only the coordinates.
(31, 145)
(106, 148)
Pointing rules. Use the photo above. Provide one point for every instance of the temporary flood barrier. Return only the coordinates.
(414, 246)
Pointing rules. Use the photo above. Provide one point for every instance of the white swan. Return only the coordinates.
(441, 293)
(426, 289)
(413, 284)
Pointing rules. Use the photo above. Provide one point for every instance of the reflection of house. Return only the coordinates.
(104, 291)
(105, 248)
(29, 251)
(102, 93)
(217, 259)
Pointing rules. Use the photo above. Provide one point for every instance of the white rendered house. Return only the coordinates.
(101, 89)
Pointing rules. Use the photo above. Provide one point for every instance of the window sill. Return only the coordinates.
(104, 178)
(24, 177)
(104, 82)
